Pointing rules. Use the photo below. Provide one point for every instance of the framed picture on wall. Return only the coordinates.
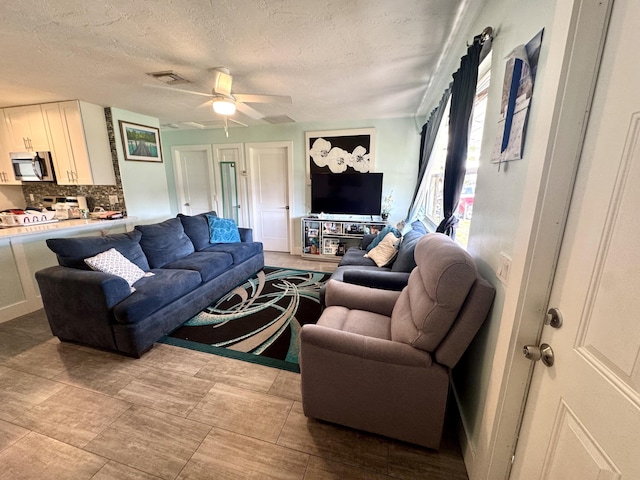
(340, 151)
(140, 143)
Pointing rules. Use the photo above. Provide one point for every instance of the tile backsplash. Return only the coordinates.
(97, 195)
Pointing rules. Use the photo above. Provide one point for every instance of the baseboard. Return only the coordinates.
(462, 431)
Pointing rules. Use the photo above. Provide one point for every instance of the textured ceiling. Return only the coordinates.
(337, 59)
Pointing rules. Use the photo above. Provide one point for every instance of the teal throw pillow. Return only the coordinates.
(382, 234)
(222, 230)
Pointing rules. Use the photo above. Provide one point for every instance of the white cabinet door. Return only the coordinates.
(7, 176)
(61, 152)
(80, 143)
(27, 130)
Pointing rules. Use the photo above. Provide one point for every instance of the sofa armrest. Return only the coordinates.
(78, 303)
(246, 234)
(357, 297)
(377, 279)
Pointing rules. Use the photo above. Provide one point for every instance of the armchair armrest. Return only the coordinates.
(377, 279)
(361, 346)
(357, 297)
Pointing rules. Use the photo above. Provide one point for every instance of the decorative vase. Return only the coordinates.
(384, 216)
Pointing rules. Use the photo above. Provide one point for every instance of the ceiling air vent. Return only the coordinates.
(279, 119)
(169, 77)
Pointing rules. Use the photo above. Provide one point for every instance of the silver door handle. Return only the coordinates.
(544, 352)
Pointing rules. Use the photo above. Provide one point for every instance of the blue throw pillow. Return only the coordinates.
(223, 230)
(388, 229)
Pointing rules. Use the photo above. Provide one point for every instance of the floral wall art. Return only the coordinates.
(340, 151)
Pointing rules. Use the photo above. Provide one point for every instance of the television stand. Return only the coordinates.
(321, 237)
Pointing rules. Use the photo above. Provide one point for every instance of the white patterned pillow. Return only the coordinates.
(113, 262)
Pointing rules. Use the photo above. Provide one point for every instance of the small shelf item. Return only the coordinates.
(329, 240)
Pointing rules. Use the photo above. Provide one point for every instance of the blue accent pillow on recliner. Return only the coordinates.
(388, 229)
(164, 242)
(223, 230)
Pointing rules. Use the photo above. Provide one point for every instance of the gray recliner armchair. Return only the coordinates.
(379, 360)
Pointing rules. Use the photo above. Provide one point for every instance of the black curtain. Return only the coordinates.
(463, 91)
(427, 141)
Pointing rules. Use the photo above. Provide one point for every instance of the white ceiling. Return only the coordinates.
(337, 59)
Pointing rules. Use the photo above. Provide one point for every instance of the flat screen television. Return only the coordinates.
(346, 193)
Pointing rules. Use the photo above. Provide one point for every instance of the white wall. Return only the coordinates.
(397, 147)
(144, 183)
(503, 219)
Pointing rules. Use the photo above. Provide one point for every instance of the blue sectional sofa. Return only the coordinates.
(184, 272)
(357, 269)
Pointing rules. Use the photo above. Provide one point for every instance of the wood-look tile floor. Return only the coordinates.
(71, 412)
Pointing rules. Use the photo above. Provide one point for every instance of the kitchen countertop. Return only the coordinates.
(75, 224)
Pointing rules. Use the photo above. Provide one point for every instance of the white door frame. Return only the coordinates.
(177, 172)
(242, 176)
(579, 30)
(288, 145)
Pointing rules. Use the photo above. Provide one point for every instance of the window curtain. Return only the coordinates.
(427, 140)
(463, 91)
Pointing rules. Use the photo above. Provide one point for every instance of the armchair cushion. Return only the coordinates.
(360, 298)
(437, 288)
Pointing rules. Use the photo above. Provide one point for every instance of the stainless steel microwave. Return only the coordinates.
(33, 166)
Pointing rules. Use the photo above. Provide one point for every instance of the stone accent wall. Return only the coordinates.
(97, 195)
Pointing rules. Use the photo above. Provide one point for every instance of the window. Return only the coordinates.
(431, 189)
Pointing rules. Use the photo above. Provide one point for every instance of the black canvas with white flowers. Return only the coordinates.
(348, 151)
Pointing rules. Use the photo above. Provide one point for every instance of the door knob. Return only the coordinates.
(544, 352)
(187, 204)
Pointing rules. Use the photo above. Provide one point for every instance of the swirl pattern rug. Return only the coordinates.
(259, 321)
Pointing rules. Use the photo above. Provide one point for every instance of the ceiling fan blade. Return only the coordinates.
(248, 111)
(222, 83)
(164, 87)
(237, 122)
(252, 98)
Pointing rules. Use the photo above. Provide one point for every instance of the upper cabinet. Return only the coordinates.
(26, 129)
(6, 168)
(79, 143)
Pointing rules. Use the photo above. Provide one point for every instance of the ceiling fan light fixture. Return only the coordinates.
(224, 106)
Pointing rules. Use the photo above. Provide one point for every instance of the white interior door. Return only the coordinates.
(582, 418)
(195, 180)
(231, 177)
(270, 164)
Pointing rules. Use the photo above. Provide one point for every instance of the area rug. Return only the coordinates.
(259, 321)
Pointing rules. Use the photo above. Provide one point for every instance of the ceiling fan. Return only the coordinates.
(225, 103)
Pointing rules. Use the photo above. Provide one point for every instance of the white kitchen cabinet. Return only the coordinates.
(7, 176)
(26, 128)
(79, 143)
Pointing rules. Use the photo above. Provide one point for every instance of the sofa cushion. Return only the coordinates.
(164, 242)
(71, 252)
(154, 293)
(405, 261)
(240, 251)
(223, 230)
(197, 229)
(208, 264)
(113, 262)
(355, 256)
(384, 253)
(383, 233)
